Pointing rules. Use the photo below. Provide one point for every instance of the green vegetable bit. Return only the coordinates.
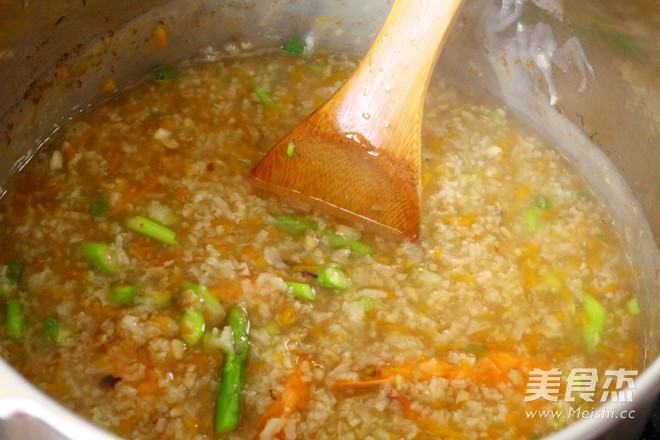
(213, 310)
(302, 290)
(355, 246)
(98, 208)
(14, 271)
(333, 278)
(191, 326)
(594, 328)
(155, 297)
(228, 404)
(15, 325)
(316, 69)
(151, 229)
(633, 306)
(293, 46)
(51, 328)
(531, 218)
(162, 75)
(294, 224)
(553, 281)
(122, 294)
(265, 99)
(290, 149)
(368, 303)
(477, 349)
(542, 202)
(101, 256)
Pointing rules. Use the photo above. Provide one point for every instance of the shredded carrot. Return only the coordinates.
(191, 424)
(466, 220)
(163, 323)
(488, 370)
(108, 86)
(337, 76)
(294, 397)
(160, 37)
(235, 166)
(70, 150)
(229, 289)
(287, 315)
(114, 156)
(63, 74)
(427, 423)
(134, 192)
(127, 425)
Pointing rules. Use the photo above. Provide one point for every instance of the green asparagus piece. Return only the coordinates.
(51, 327)
(191, 326)
(334, 278)
(355, 246)
(594, 330)
(14, 271)
(123, 293)
(151, 229)
(15, 321)
(100, 256)
(293, 224)
(155, 297)
(233, 374)
(302, 290)
(212, 309)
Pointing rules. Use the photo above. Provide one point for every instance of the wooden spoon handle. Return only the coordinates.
(384, 98)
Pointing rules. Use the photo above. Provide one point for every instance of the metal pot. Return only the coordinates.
(588, 75)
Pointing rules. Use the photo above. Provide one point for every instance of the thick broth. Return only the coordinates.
(518, 267)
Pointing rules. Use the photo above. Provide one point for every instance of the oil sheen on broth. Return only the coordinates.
(137, 224)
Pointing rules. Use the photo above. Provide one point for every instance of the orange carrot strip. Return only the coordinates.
(427, 423)
(294, 397)
(488, 370)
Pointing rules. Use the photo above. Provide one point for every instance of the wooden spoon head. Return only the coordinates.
(341, 173)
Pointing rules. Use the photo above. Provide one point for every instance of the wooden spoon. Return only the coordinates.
(359, 155)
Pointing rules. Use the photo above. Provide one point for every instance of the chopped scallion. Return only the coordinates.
(162, 75)
(293, 46)
(290, 149)
(98, 208)
(542, 202)
(368, 303)
(265, 99)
